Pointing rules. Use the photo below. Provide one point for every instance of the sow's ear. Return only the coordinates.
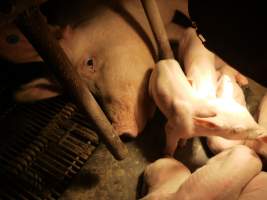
(37, 89)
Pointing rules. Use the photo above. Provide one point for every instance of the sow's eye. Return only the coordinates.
(90, 64)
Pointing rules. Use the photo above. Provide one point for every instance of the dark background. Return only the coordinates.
(236, 31)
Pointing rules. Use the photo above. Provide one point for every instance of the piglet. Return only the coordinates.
(230, 175)
(229, 90)
(232, 120)
(189, 115)
(176, 99)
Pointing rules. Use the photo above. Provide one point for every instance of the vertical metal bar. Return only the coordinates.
(158, 29)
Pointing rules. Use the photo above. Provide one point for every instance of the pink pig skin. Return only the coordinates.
(177, 100)
(217, 144)
(189, 115)
(231, 175)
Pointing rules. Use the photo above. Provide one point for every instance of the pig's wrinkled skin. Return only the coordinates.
(190, 115)
(120, 47)
(234, 174)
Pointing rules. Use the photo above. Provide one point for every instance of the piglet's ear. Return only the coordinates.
(208, 112)
(209, 123)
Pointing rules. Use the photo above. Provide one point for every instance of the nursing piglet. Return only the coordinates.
(189, 115)
(177, 100)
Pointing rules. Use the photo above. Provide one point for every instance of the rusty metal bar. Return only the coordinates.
(158, 29)
(34, 27)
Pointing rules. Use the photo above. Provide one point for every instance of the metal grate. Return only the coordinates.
(44, 145)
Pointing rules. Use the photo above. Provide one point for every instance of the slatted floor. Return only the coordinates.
(43, 145)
